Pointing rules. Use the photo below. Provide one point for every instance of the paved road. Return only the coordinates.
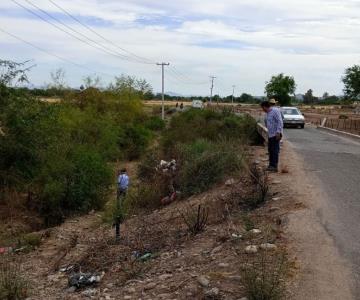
(336, 162)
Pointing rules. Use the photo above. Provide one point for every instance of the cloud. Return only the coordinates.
(241, 42)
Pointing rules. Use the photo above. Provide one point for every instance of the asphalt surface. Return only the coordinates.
(335, 161)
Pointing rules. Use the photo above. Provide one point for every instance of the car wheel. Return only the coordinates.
(302, 126)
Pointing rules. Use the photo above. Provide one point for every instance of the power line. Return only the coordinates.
(52, 54)
(72, 35)
(182, 80)
(187, 78)
(72, 29)
(98, 34)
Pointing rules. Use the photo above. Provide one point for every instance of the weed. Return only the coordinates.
(196, 221)
(32, 239)
(12, 285)
(264, 279)
(261, 187)
(248, 223)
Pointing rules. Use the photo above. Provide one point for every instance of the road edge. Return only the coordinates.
(323, 273)
(340, 133)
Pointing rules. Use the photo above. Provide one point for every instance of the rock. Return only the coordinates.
(127, 297)
(71, 289)
(251, 249)
(216, 249)
(203, 281)
(276, 198)
(223, 265)
(230, 182)
(212, 294)
(255, 231)
(89, 293)
(243, 298)
(165, 276)
(236, 236)
(276, 182)
(54, 278)
(257, 162)
(107, 297)
(149, 286)
(268, 246)
(274, 208)
(130, 290)
(165, 296)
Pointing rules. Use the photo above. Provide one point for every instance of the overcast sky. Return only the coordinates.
(241, 42)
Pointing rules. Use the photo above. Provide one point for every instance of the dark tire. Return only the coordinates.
(302, 126)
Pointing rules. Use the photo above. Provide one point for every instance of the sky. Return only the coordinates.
(241, 42)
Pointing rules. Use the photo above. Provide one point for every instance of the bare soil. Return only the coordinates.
(177, 259)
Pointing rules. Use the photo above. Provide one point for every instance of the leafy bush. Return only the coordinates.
(155, 123)
(31, 240)
(207, 146)
(203, 163)
(134, 140)
(194, 124)
(78, 184)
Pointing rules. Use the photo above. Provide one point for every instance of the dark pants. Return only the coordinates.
(274, 150)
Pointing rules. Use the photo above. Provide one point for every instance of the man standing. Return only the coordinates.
(123, 183)
(274, 124)
(122, 187)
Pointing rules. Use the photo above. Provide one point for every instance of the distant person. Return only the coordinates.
(123, 183)
(274, 124)
(177, 105)
(181, 106)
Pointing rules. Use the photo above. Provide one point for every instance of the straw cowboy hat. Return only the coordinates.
(272, 101)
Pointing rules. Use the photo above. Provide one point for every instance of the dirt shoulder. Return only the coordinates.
(323, 274)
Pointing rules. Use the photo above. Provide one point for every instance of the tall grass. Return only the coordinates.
(12, 285)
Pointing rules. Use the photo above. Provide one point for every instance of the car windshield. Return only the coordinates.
(290, 111)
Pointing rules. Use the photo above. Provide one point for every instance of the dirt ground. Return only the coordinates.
(209, 265)
(179, 262)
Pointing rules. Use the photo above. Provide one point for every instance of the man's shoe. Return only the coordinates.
(272, 169)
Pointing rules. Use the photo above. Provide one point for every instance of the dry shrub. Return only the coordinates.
(12, 285)
(261, 187)
(196, 221)
(264, 279)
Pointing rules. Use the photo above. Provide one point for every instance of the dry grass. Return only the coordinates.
(12, 285)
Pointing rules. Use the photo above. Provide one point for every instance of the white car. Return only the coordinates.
(197, 104)
(292, 117)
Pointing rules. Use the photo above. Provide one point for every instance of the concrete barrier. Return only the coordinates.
(262, 130)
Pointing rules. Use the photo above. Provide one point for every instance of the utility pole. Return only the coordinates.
(232, 98)
(212, 86)
(162, 101)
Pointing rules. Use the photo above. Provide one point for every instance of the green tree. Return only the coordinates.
(308, 97)
(281, 88)
(246, 98)
(93, 81)
(351, 80)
